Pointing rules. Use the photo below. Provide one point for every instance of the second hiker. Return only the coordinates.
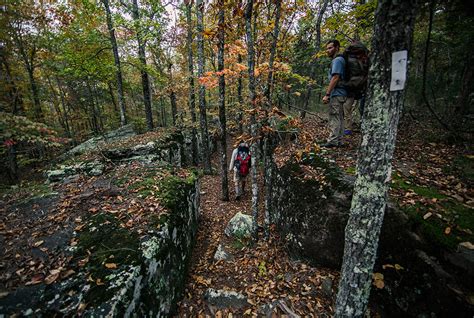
(240, 163)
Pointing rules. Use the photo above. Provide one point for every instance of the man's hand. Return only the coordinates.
(325, 99)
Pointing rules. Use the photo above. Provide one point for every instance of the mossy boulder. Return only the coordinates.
(92, 143)
(240, 226)
(311, 204)
(133, 271)
(90, 168)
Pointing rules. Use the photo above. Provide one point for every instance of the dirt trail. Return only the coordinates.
(262, 272)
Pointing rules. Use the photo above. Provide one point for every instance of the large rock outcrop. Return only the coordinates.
(311, 208)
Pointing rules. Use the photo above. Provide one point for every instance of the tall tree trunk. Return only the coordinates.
(317, 44)
(12, 163)
(29, 61)
(143, 71)
(163, 112)
(93, 110)
(202, 89)
(240, 99)
(253, 121)
(16, 99)
(174, 108)
(276, 32)
(65, 109)
(268, 149)
(112, 97)
(463, 105)
(35, 93)
(222, 117)
(192, 95)
(118, 67)
(393, 32)
(56, 104)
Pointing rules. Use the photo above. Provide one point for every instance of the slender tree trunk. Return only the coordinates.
(163, 112)
(192, 95)
(143, 71)
(65, 109)
(99, 109)
(463, 106)
(12, 163)
(174, 108)
(16, 99)
(202, 89)
(276, 32)
(253, 121)
(112, 97)
(29, 61)
(222, 117)
(118, 67)
(425, 69)
(393, 32)
(93, 110)
(56, 104)
(240, 99)
(35, 94)
(268, 149)
(317, 44)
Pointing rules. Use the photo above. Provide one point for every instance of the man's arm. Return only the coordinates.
(332, 84)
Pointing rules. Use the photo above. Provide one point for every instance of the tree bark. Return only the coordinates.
(174, 108)
(35, 93)
(65, 109)
(202, 89)
(463, 106)
(143, 72)
(276, 32)
(268, 149)
(118, 67)
(393, 32)
(253, 121)
(192, 95)
(222, 115)
(15, 97)
(240, 99)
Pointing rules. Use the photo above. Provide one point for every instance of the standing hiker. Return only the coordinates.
(240, 163)
(336, 95)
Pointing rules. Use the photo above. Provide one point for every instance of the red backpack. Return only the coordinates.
(242, 162)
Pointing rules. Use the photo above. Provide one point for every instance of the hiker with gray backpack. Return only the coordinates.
(356, 57)
(240, 163)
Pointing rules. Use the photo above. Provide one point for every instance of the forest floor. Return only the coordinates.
(432, 181)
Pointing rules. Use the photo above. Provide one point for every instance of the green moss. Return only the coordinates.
(173, 191)
(427, 192)
(461, 215)
(105, 241)
(459, 218)
(462, 166)
(351, 170)
(145, 187)
(27, 190)
(239, 244)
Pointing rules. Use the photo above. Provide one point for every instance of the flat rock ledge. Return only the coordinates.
(225, 298)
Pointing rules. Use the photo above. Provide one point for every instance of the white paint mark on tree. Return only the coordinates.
(399, 70)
